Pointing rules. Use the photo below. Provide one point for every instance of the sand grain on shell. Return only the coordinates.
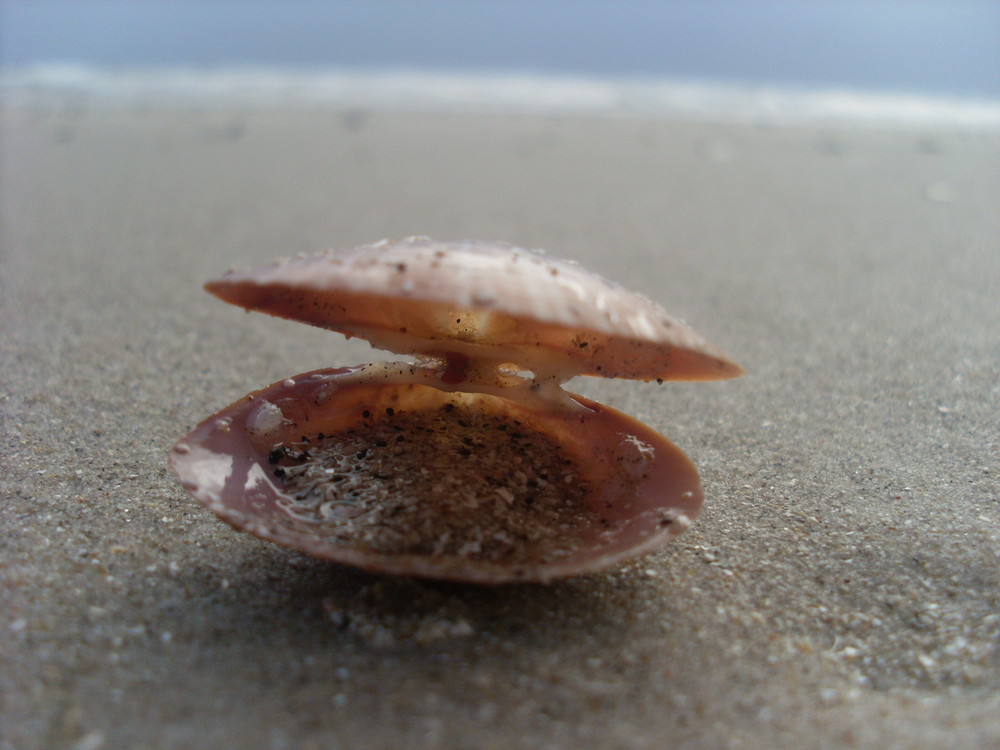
(448, 482)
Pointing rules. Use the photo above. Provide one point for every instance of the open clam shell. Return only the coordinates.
(472, 464)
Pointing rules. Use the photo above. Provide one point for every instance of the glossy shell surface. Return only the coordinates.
(471, 464)
(642, 489)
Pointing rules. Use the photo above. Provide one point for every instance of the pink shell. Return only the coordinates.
(646, 490)
(470, 309)
(482, 299)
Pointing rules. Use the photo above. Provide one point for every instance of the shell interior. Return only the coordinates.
(370, 469)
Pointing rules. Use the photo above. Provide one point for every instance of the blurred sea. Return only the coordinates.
(73, 85)
(778, 61)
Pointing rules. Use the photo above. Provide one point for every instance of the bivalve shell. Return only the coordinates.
(471, 464)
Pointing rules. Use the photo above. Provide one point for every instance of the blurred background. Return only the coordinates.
(908, 46)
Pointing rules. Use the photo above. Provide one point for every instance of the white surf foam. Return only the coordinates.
(405, 90)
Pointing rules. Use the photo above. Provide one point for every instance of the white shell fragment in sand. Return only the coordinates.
(471, 464)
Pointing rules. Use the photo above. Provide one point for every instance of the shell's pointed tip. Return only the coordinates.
(221, 287)
(729, 369)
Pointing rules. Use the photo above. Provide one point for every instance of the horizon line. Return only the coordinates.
(493, 92)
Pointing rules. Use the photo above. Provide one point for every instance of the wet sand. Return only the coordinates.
(841, 588)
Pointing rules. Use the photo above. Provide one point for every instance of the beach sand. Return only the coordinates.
(840, 589)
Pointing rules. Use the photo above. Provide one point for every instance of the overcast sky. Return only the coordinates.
(932, 47)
